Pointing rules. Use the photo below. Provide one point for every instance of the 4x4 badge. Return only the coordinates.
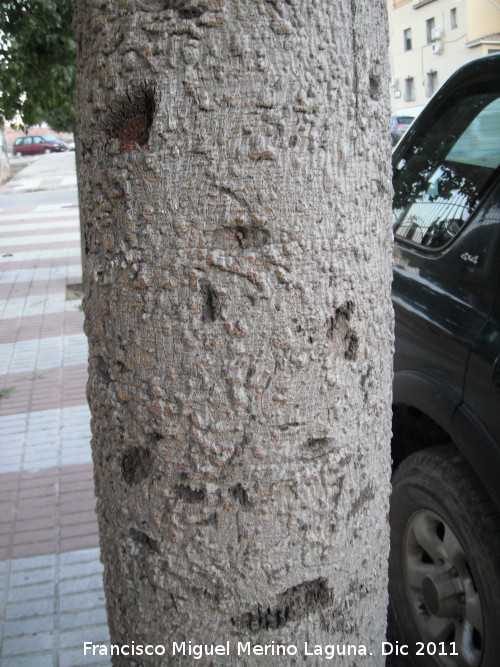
(467, 257)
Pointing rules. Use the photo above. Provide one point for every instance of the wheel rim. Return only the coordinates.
(443, 597)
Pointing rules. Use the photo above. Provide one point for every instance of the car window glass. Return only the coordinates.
(28, 140)
(37, 140)
(440, 182)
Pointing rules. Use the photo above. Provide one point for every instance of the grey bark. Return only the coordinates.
(235, 193)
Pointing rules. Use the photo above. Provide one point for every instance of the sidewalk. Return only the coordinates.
(44, 172)
(51, 597)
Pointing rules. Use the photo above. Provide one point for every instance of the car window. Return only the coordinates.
(439, 184)
(37, 140)
(48, 137)
(28, 140)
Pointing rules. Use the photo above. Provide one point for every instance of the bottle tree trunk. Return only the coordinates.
(235, 189)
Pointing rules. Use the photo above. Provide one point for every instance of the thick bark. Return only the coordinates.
(235, 195)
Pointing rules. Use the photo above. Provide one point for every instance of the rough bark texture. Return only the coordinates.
(235, 194)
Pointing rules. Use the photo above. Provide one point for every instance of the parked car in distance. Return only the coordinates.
(444, 568)
(399, 125)
(36, 144)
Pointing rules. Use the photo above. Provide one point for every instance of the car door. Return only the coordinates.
(476, 423)
(442, 290)
(28, 146)
(38, 145)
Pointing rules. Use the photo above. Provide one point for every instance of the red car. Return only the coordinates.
(38, 143)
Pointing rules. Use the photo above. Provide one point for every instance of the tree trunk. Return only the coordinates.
(235, 188)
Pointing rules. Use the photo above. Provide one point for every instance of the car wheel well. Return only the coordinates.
(413, 431)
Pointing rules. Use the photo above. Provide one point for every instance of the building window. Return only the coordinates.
(453, 18)
(409, 89)
(407, 39)
(430, 24)
(432, 83)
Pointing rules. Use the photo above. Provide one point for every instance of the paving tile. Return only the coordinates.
(29, 577)
(82, 600)
(38, 214)
(83, 617)
(45, 659)
(43, 259)
(79, 529)
(42, 641)
(17, 289)
(31, 592)
(28, 626)
(97, 634)
(54, 388)
(30, 511)
(37, 305)
(20, 245)
(32, 608)
(80, 516)
(81, 569)
(33, 563)
(77, 543)
(76, 658)
(46, 522)
(80, 584)
(43, 547)
(44, 438)
(84, 556)
(42, 239)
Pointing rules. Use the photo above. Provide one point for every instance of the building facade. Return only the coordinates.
(430, 39)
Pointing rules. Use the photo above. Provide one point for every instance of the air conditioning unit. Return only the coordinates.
(436, 33)
(437, 48)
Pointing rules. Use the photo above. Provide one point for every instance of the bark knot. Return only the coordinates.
(240, 494)
(131, 122)
(190, 9)
(145, 540)
(211, 302)
(341, 333)
(136, 465)
(189, 495)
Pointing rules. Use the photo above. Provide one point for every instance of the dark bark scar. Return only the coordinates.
(292, 605)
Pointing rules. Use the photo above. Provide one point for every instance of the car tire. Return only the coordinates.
(47, 151)
(19, 154)
(444, 566)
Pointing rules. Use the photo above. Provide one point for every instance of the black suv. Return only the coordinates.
(445, 521)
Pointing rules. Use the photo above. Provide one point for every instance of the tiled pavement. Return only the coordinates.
(51, 598)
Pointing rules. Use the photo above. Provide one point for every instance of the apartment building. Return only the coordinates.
(430, 39)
